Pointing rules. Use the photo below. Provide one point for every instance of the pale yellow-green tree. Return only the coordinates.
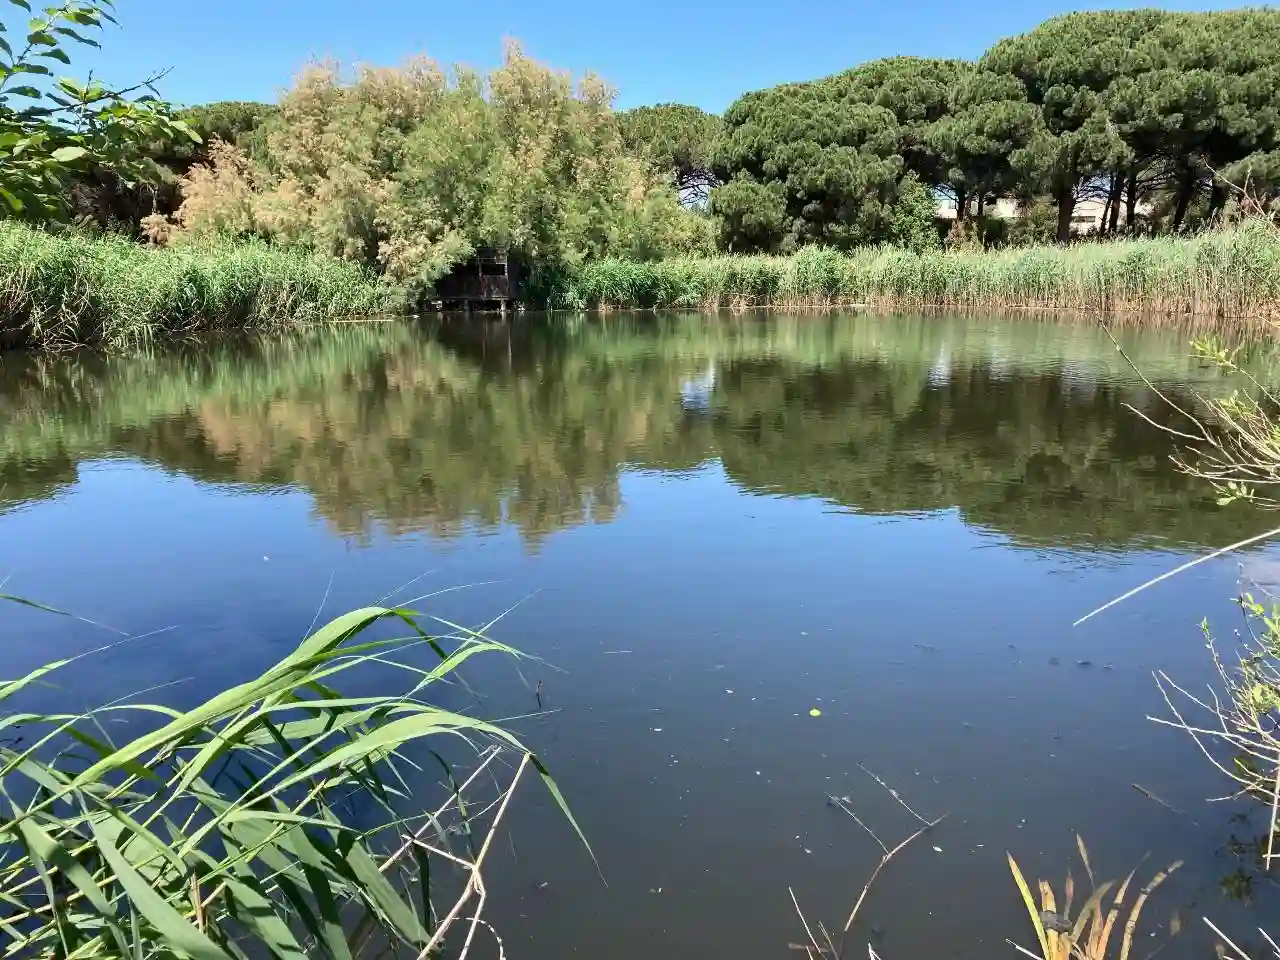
(412, 168)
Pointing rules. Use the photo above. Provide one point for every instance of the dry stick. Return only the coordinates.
(800, 913)
(1275, 808)
(1152, 797)
(1266, 936)
(474, 882)
(893, 793)
(1248, 541)
(1199, 560)
(856, 819)
(1151, 386)
(416, 837)
(853, 915)
(1225, 939)
(888, 854)
(1194, 732)
(1237, 740)
(826, 935)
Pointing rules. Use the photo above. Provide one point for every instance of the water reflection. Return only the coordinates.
(1022, 427)
(893, 520)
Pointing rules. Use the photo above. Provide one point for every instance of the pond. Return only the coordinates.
(708, 528)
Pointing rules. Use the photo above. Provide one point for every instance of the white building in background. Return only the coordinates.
(1086, 218)
(1000, 210)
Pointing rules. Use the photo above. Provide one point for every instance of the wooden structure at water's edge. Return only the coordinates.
(489, 280)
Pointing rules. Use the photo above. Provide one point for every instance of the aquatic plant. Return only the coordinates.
(63, 289)
(1229, 273)
(1089, 935)
(279, 815)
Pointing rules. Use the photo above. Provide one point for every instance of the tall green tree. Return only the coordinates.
(53, 128)
(1240, 49)
(831, 165)
(1066, 65)
(679, 140)
(919, 91)
(988, 119)
(826, 159)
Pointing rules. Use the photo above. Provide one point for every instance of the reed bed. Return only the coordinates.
(278, 818)
(1230, 273)
(68, 289)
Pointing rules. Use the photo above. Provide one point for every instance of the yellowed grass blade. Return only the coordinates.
(1124, 887)
(1052, 937)
(1092, 908)
(1129, 927)
(1069, 894)
(1031, 906)
(1102, 935)
(1084, 855)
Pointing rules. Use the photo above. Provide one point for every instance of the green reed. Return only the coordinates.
(72, 289)
(277, 817)
(1228, 273)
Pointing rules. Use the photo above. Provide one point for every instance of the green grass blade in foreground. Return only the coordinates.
(172, 926)
(229, 813)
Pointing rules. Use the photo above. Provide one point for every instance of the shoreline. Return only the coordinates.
(67, 290)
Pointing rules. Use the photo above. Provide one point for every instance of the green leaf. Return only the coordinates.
(378, 742)
(31, 93)
(554, 789)
(21, 3)
(72, 89)
(56, 854)
(249, 904)
(283, 676)
(10, 687)
(14, 203)
(384, 896)
(57, 53)
(168, 922)
(335, 937)
(78, 37)
(68, 154)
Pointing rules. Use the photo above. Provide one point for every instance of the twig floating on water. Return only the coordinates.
(1172, 809)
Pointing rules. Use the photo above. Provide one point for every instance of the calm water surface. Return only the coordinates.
(707, 528)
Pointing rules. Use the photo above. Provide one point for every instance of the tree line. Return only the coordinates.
(1147, 112)
(1141, 109)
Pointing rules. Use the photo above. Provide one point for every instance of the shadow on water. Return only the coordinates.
(718, 526)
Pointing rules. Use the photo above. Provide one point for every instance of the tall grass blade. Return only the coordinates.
(172, 927)
(1032, 910)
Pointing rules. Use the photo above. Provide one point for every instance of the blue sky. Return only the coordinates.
(704, 52)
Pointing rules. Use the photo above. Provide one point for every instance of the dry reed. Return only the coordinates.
(1088, 936)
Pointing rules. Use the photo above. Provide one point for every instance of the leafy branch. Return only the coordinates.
(52, 128)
